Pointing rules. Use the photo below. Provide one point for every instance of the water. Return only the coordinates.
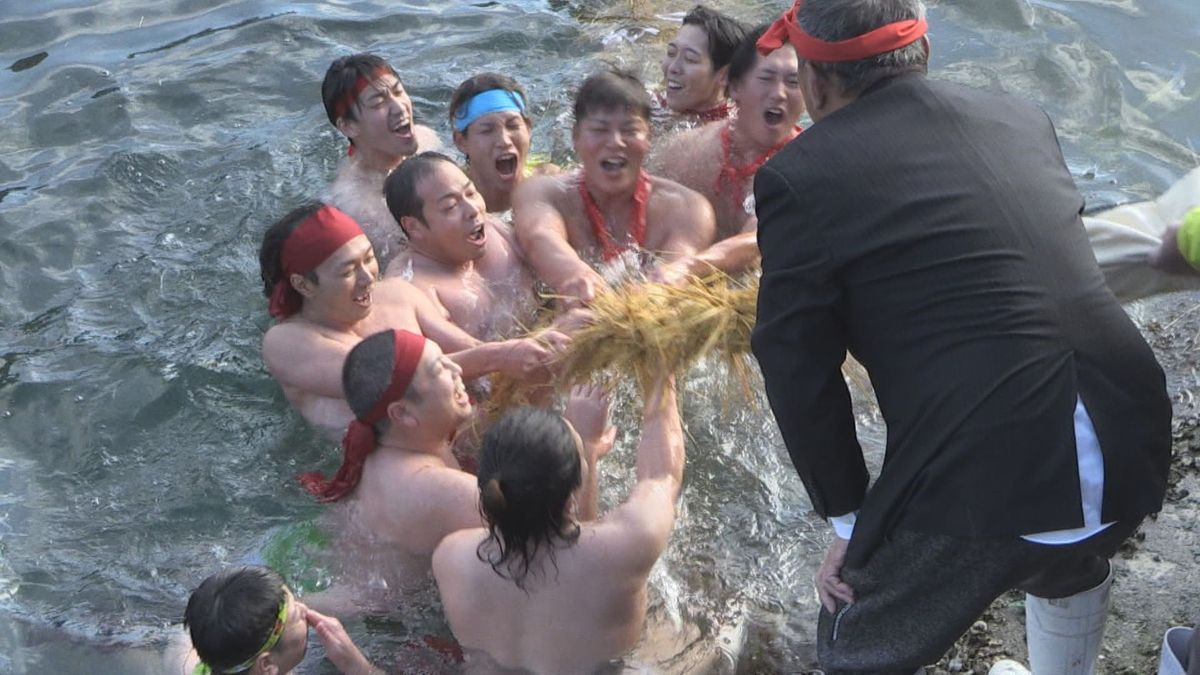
(145, 145)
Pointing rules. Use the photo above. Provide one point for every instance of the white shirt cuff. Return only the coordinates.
(843, 526)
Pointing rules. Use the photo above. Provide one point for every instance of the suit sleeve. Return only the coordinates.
(800, 344)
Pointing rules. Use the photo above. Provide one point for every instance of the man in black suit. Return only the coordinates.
(934, 232)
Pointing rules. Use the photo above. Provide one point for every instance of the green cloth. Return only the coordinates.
(1189, 237)
(298, 552)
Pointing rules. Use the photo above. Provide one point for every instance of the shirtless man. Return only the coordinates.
(466, 260)
(365, 99)
(320, 274)
(719, 160)
(404, 488)
(610, 205)
(696, 65)
(490, 118)
(542, 587)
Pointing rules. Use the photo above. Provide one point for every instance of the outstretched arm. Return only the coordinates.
(542, 233)
(587, 411)
(640, 528)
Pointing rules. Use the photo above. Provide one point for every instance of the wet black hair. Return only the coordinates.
(232, 613)
(528, 467)
(612, 90)
(367, 372)
(724, 33)
(480, 83)
(270, 253)
(400, 187)
(745, 56)
(341, 76)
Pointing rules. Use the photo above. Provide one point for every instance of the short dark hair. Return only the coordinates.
(477, 84)
(367, 372)
(836, 20)
(232, 613)
(270, 253)
(341, 76)
(612, 90)
(400, 187)
(528, 467)
(745, 56)
(724, 33)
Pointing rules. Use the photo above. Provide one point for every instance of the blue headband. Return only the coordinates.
(490, 101)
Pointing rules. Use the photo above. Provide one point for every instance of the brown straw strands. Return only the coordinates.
(641, 330)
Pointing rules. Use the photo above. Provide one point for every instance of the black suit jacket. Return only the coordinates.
(934, 232)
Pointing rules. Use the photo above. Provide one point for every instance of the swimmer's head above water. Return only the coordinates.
(489, 116)
(530, 464)
(401, 387)
(611, 134)
(245, 620)
(316, 259)
(766, 90)
(697, 59)
(439, 209)
(366, 100)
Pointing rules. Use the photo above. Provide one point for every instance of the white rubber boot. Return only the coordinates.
(1175, 651)
(1064, 635)
(1007, 667)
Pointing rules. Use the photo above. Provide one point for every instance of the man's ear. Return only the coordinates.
(302, 284)
(722, 77)
(925, 46)
(410, 223)
(398, 413)
(460, 142)
(348, 127)
(815, 89)
(266, 664)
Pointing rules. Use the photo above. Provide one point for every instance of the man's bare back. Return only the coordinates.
(588, 605)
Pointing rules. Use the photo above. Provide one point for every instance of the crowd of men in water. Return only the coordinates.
(415, 276)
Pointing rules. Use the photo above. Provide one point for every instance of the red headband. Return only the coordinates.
(343, 104)
(307, 246)
(882, 40)
(359, 441)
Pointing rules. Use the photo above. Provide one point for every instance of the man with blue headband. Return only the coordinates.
(489, 115)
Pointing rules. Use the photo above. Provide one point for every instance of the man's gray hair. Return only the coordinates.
(835, 20)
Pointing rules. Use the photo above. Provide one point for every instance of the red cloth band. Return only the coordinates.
(359, 441)
(350, 97)
(309, 245)
(882, 40)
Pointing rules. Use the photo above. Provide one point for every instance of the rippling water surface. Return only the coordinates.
(144, 146)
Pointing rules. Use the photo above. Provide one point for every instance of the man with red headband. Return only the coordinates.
(321, 276)
(934, 232)
(403, 487)
(365, 99)
(719, 160)
(610, 207)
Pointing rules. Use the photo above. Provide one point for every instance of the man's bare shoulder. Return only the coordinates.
(294, 333)
(546, 188)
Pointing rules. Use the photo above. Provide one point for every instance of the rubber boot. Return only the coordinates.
(1174, 660)
(1064, 634)
(1007, 667)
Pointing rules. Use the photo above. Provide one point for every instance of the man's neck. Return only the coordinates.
(423, 259)
(496, 197)
(313, 315)
(611, 203)
(415, 443)
(374, 161)
(744, 147)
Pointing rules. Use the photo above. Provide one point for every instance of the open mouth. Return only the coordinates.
(363, 299)
(506, 165)
(613, 164)
(773, 116)
(460, 393)
(674, 85)
(477, 235)
(403, 129)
